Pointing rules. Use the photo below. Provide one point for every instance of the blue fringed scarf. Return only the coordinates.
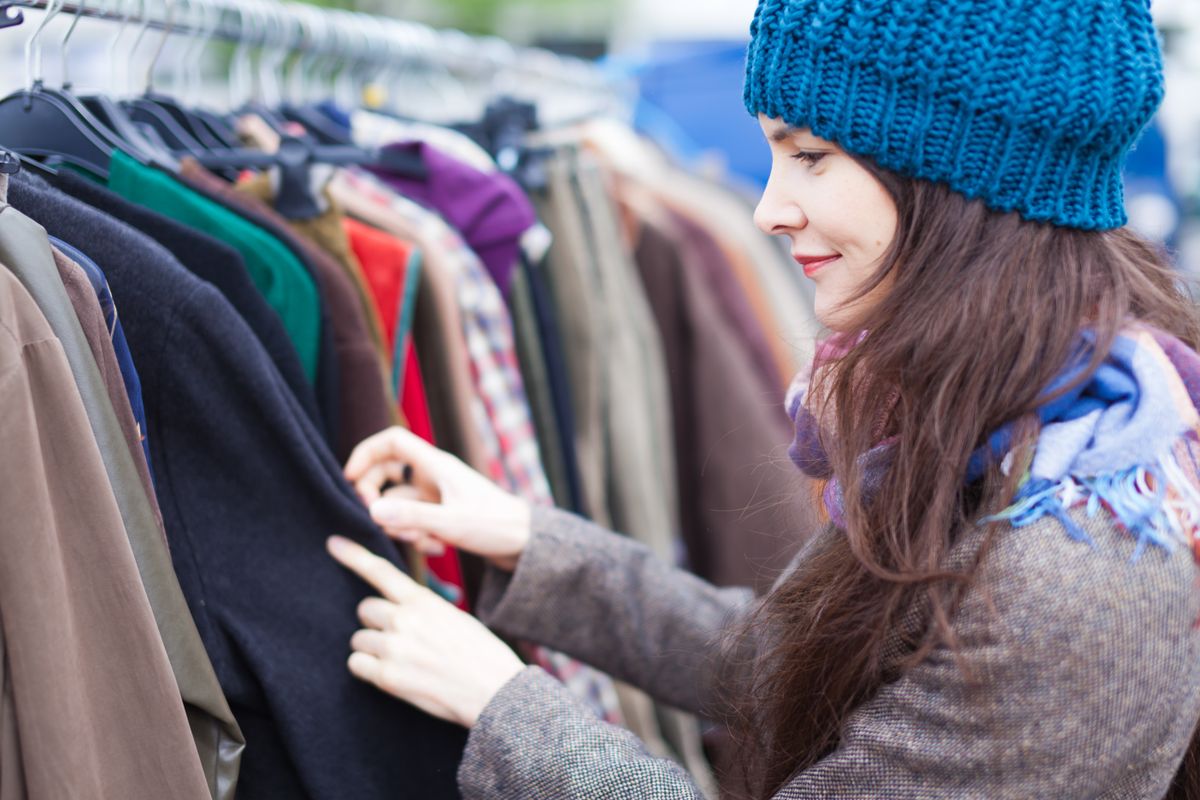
(1120, 440)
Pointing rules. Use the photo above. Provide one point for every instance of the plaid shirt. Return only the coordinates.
(500, 407)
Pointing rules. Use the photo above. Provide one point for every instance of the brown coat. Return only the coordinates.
(89, 706)
(218, 739)
(1090, 665)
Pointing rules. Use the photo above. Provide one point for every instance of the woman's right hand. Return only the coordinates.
(436, 499)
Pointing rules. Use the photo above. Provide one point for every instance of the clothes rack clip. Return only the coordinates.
(11, 14)
(10, 162)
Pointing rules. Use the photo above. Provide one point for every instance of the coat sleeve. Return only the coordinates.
(1084, 681)
(609, 602)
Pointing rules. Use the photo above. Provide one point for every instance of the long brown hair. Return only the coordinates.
(984, 310)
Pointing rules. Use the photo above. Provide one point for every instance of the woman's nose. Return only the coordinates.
(777, 212)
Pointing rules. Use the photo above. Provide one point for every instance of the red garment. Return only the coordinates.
(412, 398)
(385, 260)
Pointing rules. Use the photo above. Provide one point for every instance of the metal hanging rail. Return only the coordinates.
(332, 33)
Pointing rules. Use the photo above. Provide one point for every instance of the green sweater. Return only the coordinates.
(277, 273)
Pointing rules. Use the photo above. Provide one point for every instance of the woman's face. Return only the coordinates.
(841, 220)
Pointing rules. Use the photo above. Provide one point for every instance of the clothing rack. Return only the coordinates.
(362, 42)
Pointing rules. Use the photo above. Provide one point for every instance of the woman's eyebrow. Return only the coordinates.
(782, 134)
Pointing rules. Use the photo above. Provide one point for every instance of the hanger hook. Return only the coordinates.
(168, 26)
(144, 18)
(121, 8)
(306, 68)
(242, 87)
(262, 39)
(66, 79)
(296, 53)
(33, 47)
(210, 18)
(274, 54)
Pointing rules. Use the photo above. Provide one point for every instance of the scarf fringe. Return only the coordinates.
(1159, 504)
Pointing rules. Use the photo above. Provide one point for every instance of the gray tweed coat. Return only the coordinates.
(1089, 658)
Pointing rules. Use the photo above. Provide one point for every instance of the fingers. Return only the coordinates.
(402, 517)
(383, 675)
(377, 613)
(393, 444)
(371, 669)
(378, 572)
(376, 476)
(372, 642)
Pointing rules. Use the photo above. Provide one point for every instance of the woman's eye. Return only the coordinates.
(808, 157)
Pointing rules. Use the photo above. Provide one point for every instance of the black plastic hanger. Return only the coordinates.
(209, 129)
(49, 125)
(10, 162)
(502, 132)
(136, 140)
(225, 133)
(295, 160)
(321, 127)
(52, 124)
(179, 139)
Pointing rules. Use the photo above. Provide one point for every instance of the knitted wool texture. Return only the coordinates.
(1028, 105)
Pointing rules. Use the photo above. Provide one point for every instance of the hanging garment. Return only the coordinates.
(536, 377)
(249, 494)
(392, 268)
(729, 218)
(490, 211)
(212, 261)
(408, 302)
(279, 275)
(436, 327)
(707, 258)
(643, 501)
(88, 703)
(373, 129)
(24, 245)
(496, 420)
(637, 453)
(575, 296)
(413, 399)
(541, 304)
(91, 321)
(763, 265)
(326, 231)
(780, 343)
(363, 403)
(386, 263)
(742, 513)
(459, 425)
(116, 334)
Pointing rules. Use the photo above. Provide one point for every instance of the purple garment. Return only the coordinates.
(490, 211)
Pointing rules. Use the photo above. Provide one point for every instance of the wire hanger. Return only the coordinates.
(51, 125)
(134, 140)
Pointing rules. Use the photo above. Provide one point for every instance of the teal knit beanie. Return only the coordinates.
(1028, 105)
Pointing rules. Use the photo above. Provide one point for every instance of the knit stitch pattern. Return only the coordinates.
(1027, 105)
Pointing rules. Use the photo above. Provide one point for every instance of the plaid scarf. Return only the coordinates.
(1120, 439)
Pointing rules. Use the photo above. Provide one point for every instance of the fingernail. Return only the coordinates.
(337, 545)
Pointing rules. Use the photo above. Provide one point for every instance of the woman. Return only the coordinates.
(1004, 603)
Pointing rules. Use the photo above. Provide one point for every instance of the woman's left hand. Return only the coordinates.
(416, 646)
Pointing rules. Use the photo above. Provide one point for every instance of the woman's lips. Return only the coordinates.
(814, 264)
